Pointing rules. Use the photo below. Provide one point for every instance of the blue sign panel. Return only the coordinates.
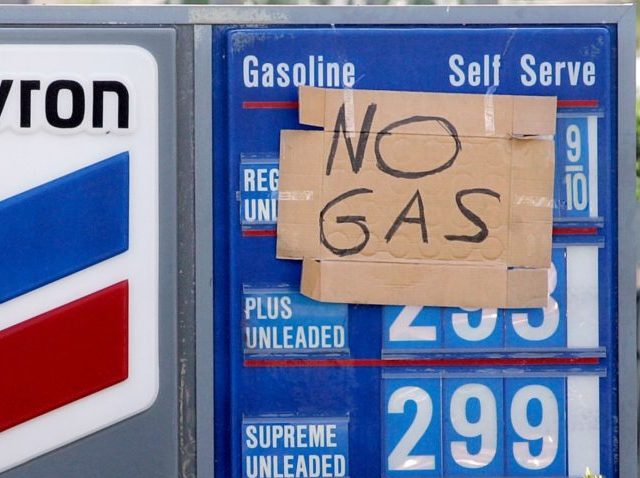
(259, 193)
(427, 391)
(292, 447)
(282, 321)
(542, 327)
(478, 328)
(536, 436)
(414, 329)
(576, 180)
(413, 444)
(473, 427)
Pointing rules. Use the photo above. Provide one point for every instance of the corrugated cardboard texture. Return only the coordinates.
(420, 284)
(419, 198)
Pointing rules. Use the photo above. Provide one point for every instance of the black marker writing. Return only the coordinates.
(466, 212)
(397, 173)
(341, 127)
(357, 220)
(402, 217)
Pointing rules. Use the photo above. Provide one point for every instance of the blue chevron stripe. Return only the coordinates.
(64, 226)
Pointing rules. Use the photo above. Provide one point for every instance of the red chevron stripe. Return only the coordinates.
(63, 355)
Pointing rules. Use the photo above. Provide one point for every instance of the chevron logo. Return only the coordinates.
(50, 232)
(78, 245)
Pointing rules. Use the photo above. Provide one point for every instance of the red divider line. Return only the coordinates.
(260, 233)
(565, 231)
(265, 105)
(578, 103)
(63, 355)
(469, 362)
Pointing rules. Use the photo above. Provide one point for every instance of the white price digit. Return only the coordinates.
(576, 187)
(575, 180)
(400, 458)
(486, 427)
(550, 315)
(402, 329)
(546, 430)
(574, 147)
(464, 330)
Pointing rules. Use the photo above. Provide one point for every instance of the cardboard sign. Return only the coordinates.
(419, 198)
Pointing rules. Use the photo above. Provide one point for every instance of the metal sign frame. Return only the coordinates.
(152, 431)
(623, 17)
(186, 328)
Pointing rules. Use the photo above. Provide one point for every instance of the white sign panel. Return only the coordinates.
(78, 242)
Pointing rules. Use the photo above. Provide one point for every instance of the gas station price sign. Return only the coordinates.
(144, 196)
(416, 391)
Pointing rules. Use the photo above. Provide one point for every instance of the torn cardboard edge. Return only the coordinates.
(508, 116)
(423, 284)
(509, 279)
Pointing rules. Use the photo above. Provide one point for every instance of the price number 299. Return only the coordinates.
(487, 427)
